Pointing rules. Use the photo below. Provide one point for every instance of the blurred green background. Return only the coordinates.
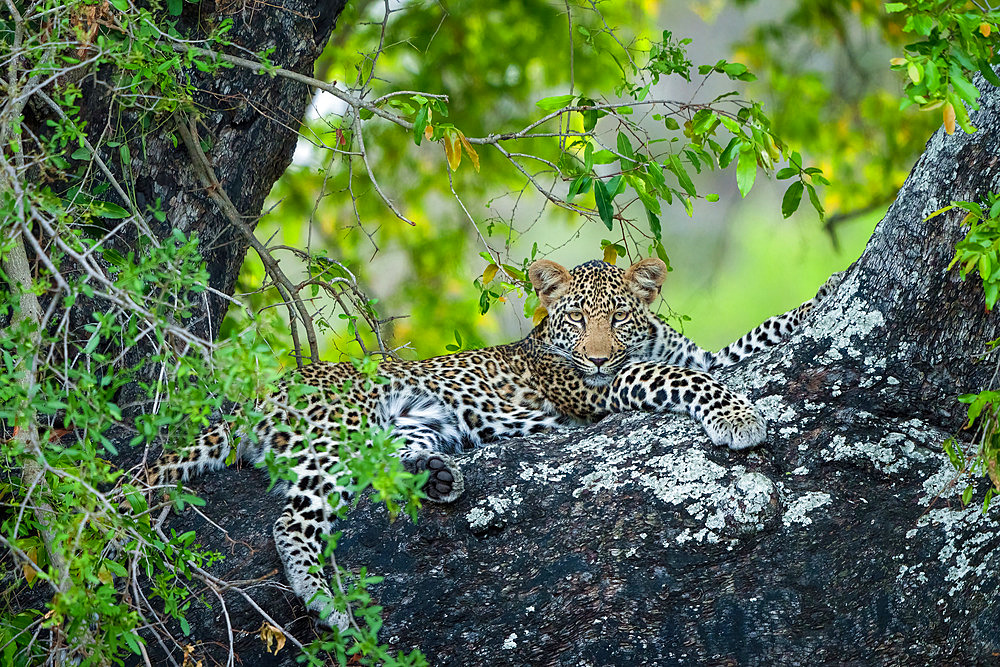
(823, 78)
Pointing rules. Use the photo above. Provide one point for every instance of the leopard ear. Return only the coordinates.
(645, 277)
(551, 280)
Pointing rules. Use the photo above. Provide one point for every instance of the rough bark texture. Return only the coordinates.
(840, 540)
(248, 124)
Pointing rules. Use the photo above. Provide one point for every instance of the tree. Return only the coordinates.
(111, 314)
(634, 541)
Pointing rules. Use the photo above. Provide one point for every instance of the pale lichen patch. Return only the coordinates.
(776, 409)
(893, 453)
(968, 551)
(799, 508)
(727, 502)
(543, 474)
(495, 510)
(842, 322)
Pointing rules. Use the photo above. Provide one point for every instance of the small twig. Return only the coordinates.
(217, 193)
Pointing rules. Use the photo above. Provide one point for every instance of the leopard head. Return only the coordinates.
(598, 313)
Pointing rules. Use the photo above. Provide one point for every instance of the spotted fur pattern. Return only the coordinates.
(598, 351)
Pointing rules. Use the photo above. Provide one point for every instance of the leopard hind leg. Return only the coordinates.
(314, 498)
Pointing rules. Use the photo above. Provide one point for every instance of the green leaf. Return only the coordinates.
(963, 86)
(991, 290)
(953, 456)
(727, 155)
(661, 252)
(891, 7)
(967, 495)
(106, 209)
(703, 121)
(746, 169)
(814, 199)
(554, 102)
(604, 204)
(939, 212)
(625, 150)
(580, 185)
(682, 176)
(793, 197)
(615, 186)
(590, 116)
(987, 71)
(604, 157)
(174, 7)
(133, 641)
(654, 224)
(419, 124)
(120, 5)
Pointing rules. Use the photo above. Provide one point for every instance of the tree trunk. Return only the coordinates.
(634, 541)
(247, 124)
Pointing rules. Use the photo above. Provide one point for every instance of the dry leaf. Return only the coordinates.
(490, 273)
(453, 150)
(272, 636)
(949, 118)
(29, 572)
(470, 151)
(188, 660)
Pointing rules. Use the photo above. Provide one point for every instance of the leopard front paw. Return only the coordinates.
(445, 483)
(738, 426)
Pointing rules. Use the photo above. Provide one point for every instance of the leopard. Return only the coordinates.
(598, 350)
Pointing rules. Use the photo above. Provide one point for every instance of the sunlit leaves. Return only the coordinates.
(554, 102)
(940, 66)
(979, 251)
(746, 170)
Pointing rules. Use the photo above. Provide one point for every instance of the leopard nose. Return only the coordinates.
(597, 361)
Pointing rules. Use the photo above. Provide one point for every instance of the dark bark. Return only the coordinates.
(249, 125)
(840, 540)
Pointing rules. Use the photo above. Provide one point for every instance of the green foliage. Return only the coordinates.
(980, 249)
(523, 105)
(77, 524)
(598, 151)
(983, 459)
(939, 67)
(94, 542)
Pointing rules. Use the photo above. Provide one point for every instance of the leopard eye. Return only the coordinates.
(575, 316)
(620, 316)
